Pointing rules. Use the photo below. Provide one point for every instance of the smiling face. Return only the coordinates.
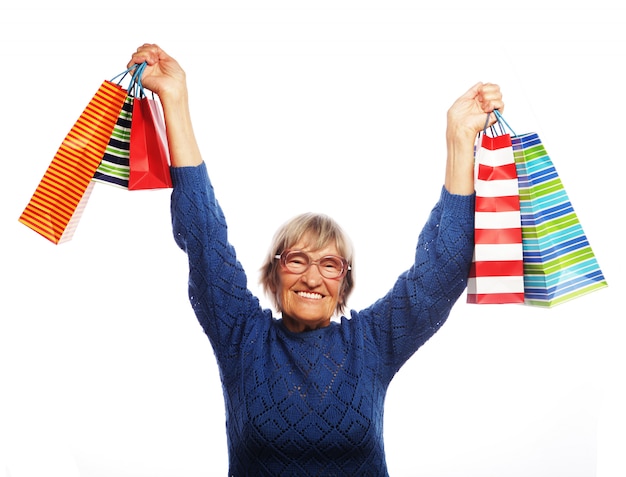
(308, 300)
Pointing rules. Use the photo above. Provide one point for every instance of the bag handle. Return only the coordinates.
(500, 121)
(138, 89)
(494, 133)
(135, 81)
(124, 73)
(135, 88)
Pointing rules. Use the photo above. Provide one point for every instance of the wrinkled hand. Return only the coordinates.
(466, 118)
(468, 114)
(163, 75)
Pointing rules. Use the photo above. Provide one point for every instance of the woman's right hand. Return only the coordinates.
(163, 75)
(166, 78)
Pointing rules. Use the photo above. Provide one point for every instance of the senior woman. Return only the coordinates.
(304, 394)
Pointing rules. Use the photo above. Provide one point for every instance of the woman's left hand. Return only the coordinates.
(467, 116)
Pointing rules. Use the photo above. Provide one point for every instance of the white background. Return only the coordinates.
(104, 371)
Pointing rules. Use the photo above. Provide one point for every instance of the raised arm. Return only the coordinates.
(422, 297)
(167, 79)
(466, 118)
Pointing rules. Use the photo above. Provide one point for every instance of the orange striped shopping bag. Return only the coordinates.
(497, 270)
(57, 203)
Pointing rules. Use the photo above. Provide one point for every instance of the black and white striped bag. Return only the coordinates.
(114, 168)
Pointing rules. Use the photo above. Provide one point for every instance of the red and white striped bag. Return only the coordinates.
(497, 271)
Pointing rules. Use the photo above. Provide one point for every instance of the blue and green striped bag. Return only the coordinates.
(559, 264)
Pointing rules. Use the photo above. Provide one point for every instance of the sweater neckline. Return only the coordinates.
(306, 335)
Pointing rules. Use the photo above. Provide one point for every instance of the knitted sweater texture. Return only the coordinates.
(311, 403)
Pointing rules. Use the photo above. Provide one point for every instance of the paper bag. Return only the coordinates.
(559, 264)
(149, 153)
(55, 207)
(496, 274)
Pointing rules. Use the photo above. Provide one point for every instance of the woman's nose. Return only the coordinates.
(312, 277)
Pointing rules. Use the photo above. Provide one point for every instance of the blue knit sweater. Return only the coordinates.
(311, 403)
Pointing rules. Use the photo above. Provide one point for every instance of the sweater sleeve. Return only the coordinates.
(218, 289)
(422, 297)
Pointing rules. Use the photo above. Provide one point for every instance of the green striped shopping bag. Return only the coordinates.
(559, 264)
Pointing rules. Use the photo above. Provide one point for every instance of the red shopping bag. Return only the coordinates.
(149, 154)
(57, 203)
(497, 270)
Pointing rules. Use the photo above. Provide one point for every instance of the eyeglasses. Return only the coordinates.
(330, 266)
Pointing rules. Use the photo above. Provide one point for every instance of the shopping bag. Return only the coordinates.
(114, 167)
(149, 154)
(559, 264)
(58, 201)
(496, 273)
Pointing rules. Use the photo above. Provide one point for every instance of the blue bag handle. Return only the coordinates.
(123, 74)
(136, 87)
(139, 90)
(501, 121)
(493, 131)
